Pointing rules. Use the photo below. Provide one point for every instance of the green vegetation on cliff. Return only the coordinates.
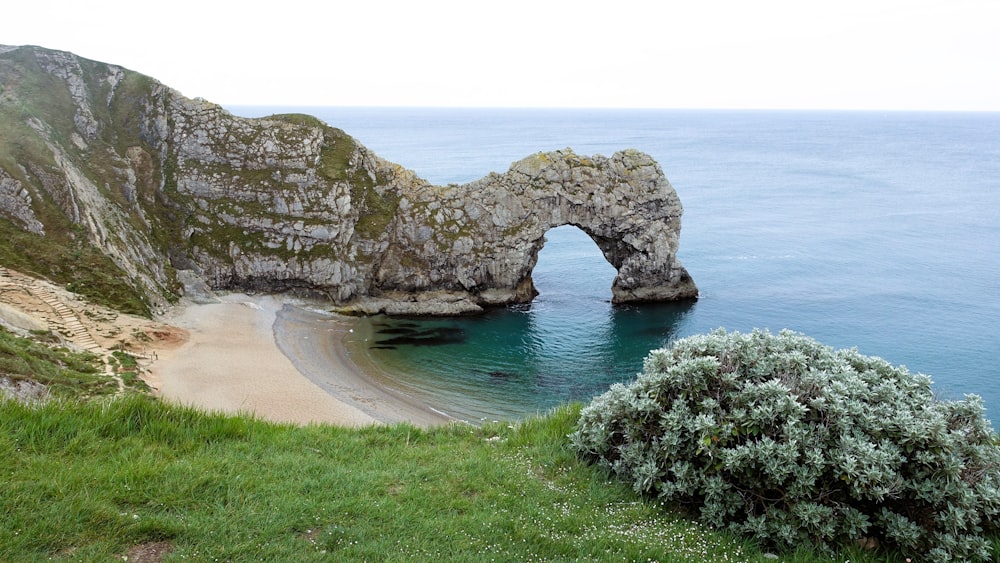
(41, 124)
(298, 119)
(29, 92)
(376, 207)
(67, 259)
(65, 374)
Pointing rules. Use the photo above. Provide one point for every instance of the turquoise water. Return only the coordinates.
(569, 343)
(868, 230)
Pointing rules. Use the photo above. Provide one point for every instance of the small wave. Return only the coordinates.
(760, 257)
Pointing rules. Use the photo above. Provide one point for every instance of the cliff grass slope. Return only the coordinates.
(114, 182)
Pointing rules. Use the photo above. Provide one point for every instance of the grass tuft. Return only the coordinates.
(63, 372)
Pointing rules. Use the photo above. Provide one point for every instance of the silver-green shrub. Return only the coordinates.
(788, 441)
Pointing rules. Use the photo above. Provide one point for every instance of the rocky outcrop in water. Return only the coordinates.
(478, 242)
(290, 203)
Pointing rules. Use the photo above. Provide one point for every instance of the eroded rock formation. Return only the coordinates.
(289, 203)
(480, 241)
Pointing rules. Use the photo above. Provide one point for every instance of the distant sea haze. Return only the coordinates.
(878, 231)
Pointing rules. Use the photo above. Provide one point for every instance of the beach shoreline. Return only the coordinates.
(272, 357)
(317, 344)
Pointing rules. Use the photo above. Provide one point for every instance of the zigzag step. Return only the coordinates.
(69, 319)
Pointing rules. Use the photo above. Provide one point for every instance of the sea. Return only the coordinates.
(878, 231)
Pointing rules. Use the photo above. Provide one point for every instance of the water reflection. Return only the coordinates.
(646, 323)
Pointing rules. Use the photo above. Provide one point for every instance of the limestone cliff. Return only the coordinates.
(159, 182)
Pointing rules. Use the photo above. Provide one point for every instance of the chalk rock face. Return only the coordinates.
(15, 200)
(290, 203)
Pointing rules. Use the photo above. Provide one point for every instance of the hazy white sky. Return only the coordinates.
(842, 54)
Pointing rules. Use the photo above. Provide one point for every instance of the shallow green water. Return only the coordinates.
(570, 343)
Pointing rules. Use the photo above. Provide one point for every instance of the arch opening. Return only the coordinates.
(571, 265)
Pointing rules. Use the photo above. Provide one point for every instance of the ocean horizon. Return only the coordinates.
(861, 229)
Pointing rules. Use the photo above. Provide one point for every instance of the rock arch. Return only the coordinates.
(613, 250)
(479, 242)
(307, 208)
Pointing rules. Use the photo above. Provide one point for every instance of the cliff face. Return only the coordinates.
(158, 182)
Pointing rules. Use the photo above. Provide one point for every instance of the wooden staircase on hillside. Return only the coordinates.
(67, 322)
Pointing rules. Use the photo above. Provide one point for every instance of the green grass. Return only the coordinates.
(65, 373)
(89, 480)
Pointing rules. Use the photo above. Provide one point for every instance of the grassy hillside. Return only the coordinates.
(65, 374)
(103, 479)
(96, 481)
(67, 253)
(68, 259)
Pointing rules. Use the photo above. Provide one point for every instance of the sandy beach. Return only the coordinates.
(266, 356)
(272, 356)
